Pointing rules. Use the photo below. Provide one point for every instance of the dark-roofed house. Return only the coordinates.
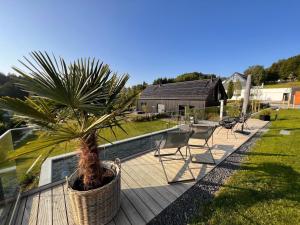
(174, 97)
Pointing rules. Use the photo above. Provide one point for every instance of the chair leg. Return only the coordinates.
(157, 154)
(188, 167)
(180, 153)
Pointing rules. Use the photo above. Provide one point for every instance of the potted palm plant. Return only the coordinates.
(76, 101)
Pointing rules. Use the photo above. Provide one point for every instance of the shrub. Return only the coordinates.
(149, 117)
(266, 112)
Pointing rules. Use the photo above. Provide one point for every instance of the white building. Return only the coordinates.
(270, 94)
(274, 95)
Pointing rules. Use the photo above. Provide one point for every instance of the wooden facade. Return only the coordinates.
(175, 97)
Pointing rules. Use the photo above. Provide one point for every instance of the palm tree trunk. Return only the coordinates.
(89, 164)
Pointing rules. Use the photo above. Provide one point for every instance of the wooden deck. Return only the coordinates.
(145, 192)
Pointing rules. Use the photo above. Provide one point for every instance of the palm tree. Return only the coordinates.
(74, 101)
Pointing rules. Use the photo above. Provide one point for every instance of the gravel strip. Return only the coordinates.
(187, 205)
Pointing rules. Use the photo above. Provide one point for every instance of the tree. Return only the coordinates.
(8, 88)
(237, 88)
(135, 89)
(258, 74)
(163, 81)
(3, 78)
(284, 69)
(272, 73)
(230, 89)
(75, 101)
(193, 76)
(184, 77)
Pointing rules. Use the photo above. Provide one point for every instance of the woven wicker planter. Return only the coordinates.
(97, 206)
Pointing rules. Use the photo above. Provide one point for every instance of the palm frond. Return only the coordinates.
(69, 100)
(27, 109)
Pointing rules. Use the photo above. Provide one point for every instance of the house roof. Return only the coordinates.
(197, 89)
(243, 76)
(240, 74)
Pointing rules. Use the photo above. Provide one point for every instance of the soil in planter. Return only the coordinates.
(107, 177)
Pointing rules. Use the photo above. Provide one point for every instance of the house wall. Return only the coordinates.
(171, 105)
(266, 94)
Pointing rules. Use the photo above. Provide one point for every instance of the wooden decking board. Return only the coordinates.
(157, 177)
(121, 218)
(156, 169)
(163, 201)
(146, 198)
(31, 210)
(180, 171)
(133, 215)
(111, 223)
(68, 206)
(145, 192)
(139, 204)
(199, 172)
(45, 208)
(159, 184)
(59, 206)
(173, 168)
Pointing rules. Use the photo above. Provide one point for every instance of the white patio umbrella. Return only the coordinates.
(245, 104)
(246, 95)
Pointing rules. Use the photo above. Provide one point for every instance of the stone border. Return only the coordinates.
(46, 168)
(183, 209)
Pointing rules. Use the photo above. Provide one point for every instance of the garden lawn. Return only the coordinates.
(283, 85)
(267, 188)
(24, 162)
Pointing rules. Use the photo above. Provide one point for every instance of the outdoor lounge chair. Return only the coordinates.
(228, 124)
(203, 133)
(174, 140)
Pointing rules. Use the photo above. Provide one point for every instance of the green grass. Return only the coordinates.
(283, 85)
(24, 162)
(267, 188)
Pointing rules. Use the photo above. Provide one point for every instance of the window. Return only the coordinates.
(285, 97)
(160, 108)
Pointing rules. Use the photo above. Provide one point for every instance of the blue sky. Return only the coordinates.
(148, 39)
